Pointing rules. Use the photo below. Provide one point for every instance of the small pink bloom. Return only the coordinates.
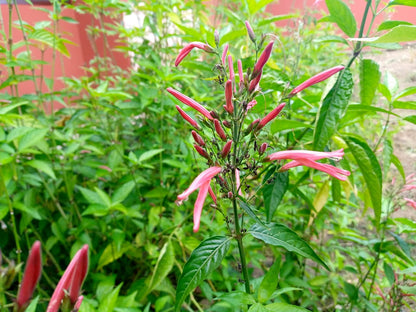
(198, 139)
(315, 79)
(304, 154)
(337, 173)
(105, 168)
(220, 131)
(188, 48)
(410, 202)
(237, 182)
(270, 116)
(264, 57)
(251, 104)
(250, 32)
(226, 149)
(224, 54)
(201, 151)
(202, 182)
(190, 102)
(187, 117)
(410, 178)
(229, 107)
(31, 276)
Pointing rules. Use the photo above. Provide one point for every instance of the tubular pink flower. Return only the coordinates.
(240, 72)
(220, 131)
(201, 151)
(250, 32)
(410, 202)
(188, 48)
(264, 57)
(270, 116)
(337, 173)
(190, 102)
(304, 154)
(224, 54)
(237, 182)
(202, 194)
(315, 79)
(31, 276)
(187, 117)
(253, 86)
(229, 107)
(198, 139)
(67, 279)
(204, 177)
(226, 149)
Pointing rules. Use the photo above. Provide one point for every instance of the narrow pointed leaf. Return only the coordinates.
(284, 307)
(269, 283)
(403, 2)
(203, 260)
(163, 266)
(273, 193)
(342, 16)
(279, 235)
(369, 79)
(249, 210)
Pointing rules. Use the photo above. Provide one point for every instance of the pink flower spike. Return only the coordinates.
(270, 116)
(188, 48)
(190, 102)
(220, 131)
(410, 202)
(253, 86)
(31, 276)
(315, 79)
(237, 182)
(202, 178)
(212, 194)
(337, 173)
(304, 154)
(240, 72)
(229, 107)
(264, 57)
(224, 54)
(198, 139)
(226, 149)
(250, 32)
(203, 191)
(187, 117)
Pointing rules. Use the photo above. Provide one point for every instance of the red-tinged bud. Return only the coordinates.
(202, 152)
(251, 104)
(214, 114)
(231, 68)
(31, 276)
(198, 139)
(254, 83)
(217, 38)
(220, 131)
(250, 32)
(190, 102)
(264, 57)
(263, 148)
(270, 116)
(240, 72)
(227, 124)
(226, 150)
(252, 126)
(212, 194)
(230, 194)
(187, 118)
(78, 304)
(224, 54)
(315, 79)
(79, 275)
(229, 107)
(188, 48)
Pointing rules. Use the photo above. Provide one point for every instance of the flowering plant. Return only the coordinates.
(230, 142)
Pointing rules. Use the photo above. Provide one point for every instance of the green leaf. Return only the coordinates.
(411, 119)
(332, 110)
(92, 197)
(163, 266)
(386, 25)
(396, 162)
(351, 291)
(367, 108)
(247, 208)
(387, 154)
(405, 92)
(388, 271)
(404, 105)
(203, 260)
(403, 2)
(369, 79)
(285, 124)
(49, 39)
(31, 138)
(371, 171)
(109, 302)
(284, 307)
(279, 235)
(273, 193)
(42, 166)
(111, 253)
(257, 307)
(401, 33)
(254, 6)
(269, 283)
(33, 304)
(276, 18)
(342, 16)
(149, 154)
(403, 245)
(331, 38)
(122, 192)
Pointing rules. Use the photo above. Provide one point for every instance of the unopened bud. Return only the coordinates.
(198, 139)
(230, 194)
(227, 124)
(226, 149)
(214, 114)
(252, 126)
(220, 131)
(263, 148)
(250, 32)
(202, 152)
(217, 38)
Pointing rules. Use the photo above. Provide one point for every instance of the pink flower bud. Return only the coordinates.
(229, 107)
(31, 276)
(201, 151)
(254, 83)
(214, 114)
(227, 124)
(252, 126)
(212, 194)
(188, 48)
(250, 32)
(198, 139)
(217, 38)
(231, 69)
(264, 57)
(270, 116)
(263, 148)
(315, 79)
(240, 72)
(224, 54)
(226, 149)
(187, 117)
(190, 102)
(220, 131)
(78, 303)
(251, 104)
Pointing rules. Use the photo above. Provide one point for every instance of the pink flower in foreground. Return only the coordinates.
(308, 158)
(187, 117)
(71, 281)
(410, 202)
(315, 79)
(251, 104)
(190, 102)
(270, 116)
(229, 107)
(224, 54)
(264, 57)
(188, 48)
(31, 276)
(201, 182)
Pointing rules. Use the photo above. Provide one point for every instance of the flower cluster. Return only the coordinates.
(227, 140)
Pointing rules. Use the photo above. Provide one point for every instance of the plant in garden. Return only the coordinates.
(232, 148)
